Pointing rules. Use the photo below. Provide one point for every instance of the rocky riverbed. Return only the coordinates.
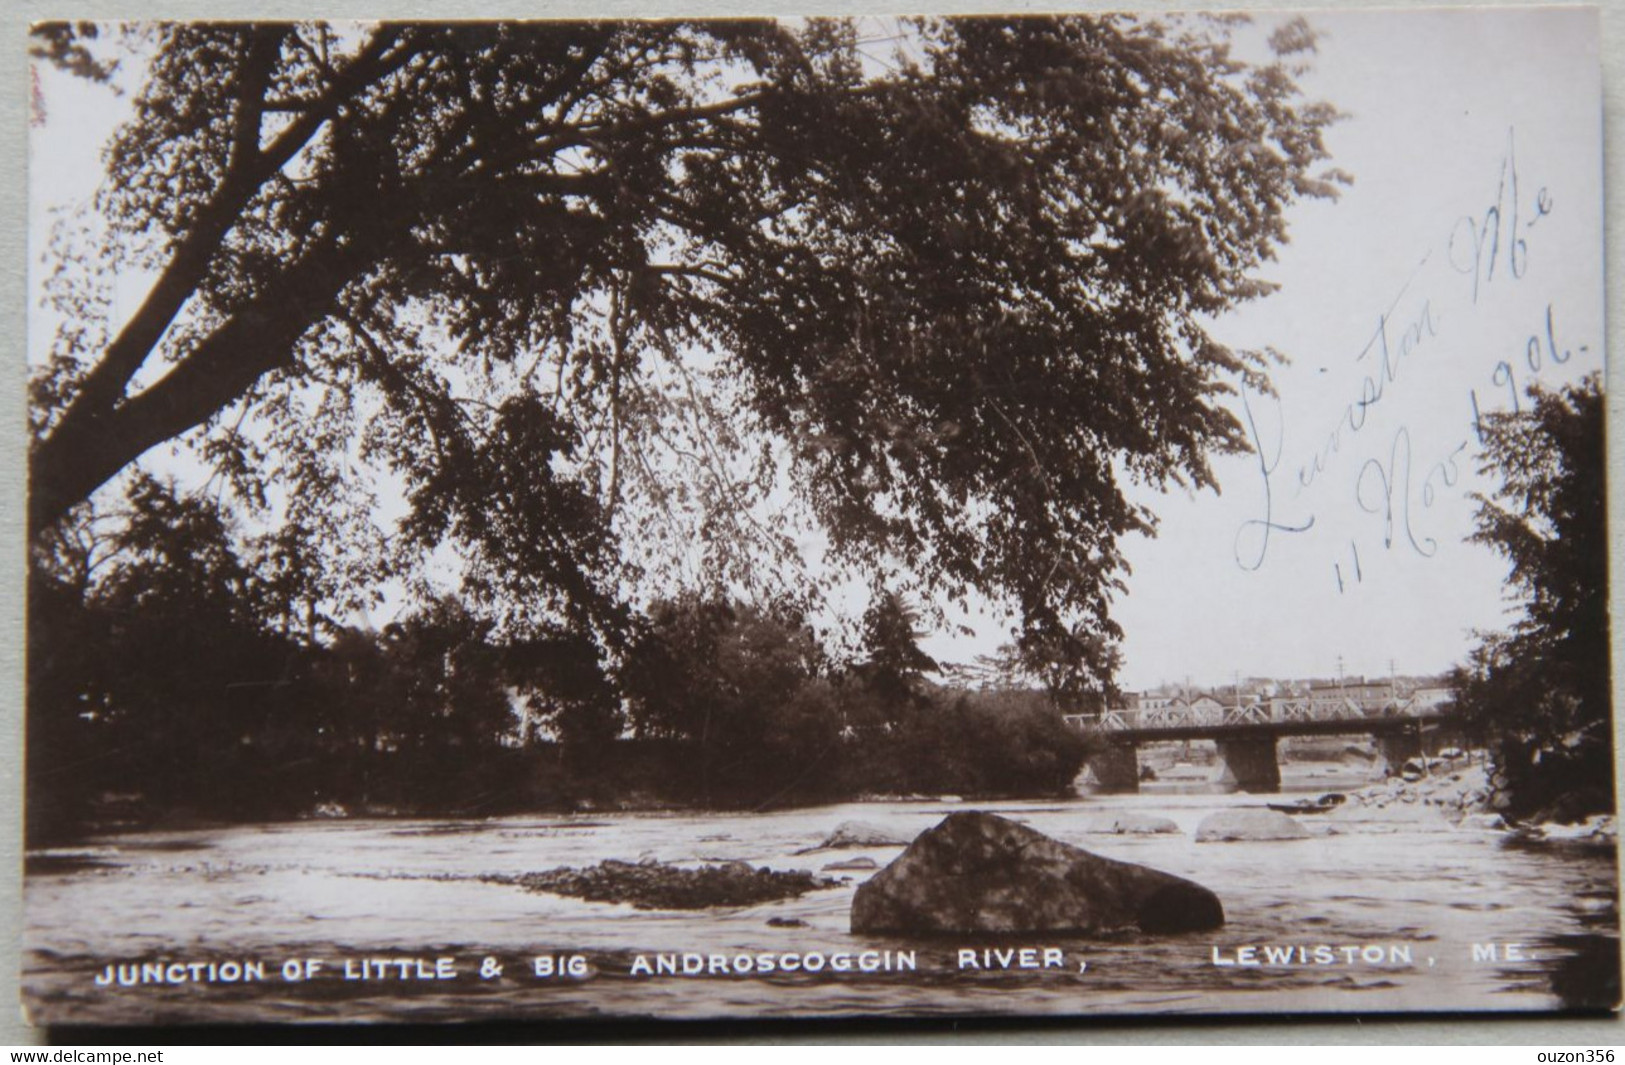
(652, 885)
(1464, 796)
(1454, 792)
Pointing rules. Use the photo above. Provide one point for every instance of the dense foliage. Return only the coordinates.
(173, 686)
(540, 327)
(168, 693)
(1540, 692)
(601, 298)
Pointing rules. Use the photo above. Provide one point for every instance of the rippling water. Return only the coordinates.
(1413, 886)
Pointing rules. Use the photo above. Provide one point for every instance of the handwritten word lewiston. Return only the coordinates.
(1390, 344)
(1383, 353)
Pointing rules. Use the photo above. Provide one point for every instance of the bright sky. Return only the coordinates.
(1451, 115)
(1474, 138)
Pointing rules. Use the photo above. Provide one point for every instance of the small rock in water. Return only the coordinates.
(851, 865)
(980, 873)
(1594, 906)
(1234, 826)
(1596, 828)
(787, 922)
(858, 834)
(1392, 817)
(1131, 824)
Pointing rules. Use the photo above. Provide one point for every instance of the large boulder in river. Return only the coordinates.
(980, 873)
(1236, 826)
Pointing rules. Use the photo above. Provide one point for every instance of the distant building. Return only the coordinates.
(1432, 697)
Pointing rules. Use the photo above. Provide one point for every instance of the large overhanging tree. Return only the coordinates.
(608, 299)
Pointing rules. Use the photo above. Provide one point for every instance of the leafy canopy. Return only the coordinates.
(616, 305)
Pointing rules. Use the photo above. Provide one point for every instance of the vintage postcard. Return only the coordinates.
(1093, 514)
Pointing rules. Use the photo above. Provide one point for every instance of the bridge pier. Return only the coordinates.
(1397, 748)
(1250, 763)
(1116, 767)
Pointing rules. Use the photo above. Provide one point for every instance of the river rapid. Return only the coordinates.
(389, 920)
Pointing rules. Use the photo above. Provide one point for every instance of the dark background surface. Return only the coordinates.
(1570, 1032)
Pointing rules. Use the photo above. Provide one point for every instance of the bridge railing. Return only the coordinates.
(1274, 711)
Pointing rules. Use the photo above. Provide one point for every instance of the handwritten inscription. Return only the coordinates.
(1255, 532)
(1538, 350)
(1397, 485)
(1385, 489)
(1494, 239)
(1388, 347)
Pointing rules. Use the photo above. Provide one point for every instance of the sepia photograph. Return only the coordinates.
(1091, 515)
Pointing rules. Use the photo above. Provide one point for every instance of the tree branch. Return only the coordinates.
(93, 423)
(247, 169)
(77, 459)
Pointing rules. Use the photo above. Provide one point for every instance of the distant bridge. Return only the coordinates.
(1246, 734)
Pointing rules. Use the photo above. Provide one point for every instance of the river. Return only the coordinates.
(1415, 915)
